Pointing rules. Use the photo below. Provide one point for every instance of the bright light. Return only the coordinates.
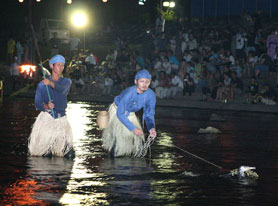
(38, 0)
(141, 2)
(79, 19)
(104, 1)
(172, 4)
(69, 1)
(166, 3)
(28, 69)
(20, 1)
(169, 4)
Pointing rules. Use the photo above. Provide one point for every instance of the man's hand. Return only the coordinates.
(152, 132)
(138, 132)
(48, 82)
(50, 105)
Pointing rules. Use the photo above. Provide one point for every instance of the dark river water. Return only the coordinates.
(168, 176)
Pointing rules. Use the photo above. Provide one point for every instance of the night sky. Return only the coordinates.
(15, 15)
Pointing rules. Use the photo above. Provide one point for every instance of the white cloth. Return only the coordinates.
(183, 46)
(192, 44)
(154, 84)
(232, 59)
(158, 65)
(162, 92)
(176, 80)
(108, 81)
(240, 40)
(187, 58)
(167, 67)
(91, 59)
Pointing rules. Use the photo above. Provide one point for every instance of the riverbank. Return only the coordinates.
(192, 102)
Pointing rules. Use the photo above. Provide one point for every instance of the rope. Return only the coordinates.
(147, 146)
(200, 158)
(150, 140)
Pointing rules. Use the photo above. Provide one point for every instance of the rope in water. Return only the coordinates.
(150, 140)
(219, 167)
(146, 147)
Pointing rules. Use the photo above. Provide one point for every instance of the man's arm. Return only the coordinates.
(149, 111)
(122, 108)
(40, 102)
(62, 87)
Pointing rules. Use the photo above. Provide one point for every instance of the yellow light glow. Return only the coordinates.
(104, 1)
(78, 115)
(27, 68)
(79, 19)
(20, 1)
(166, 3)
(38, 0)
(69, 1)
(172, 4)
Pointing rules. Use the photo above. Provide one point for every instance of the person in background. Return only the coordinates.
(189, 85)
(162, 89)
(159, 24)
(11, 49)
(14, 73)
(19, 52)
(108, 84)
(176, 85)
(252, 91)
(74, 44)
(54, 43)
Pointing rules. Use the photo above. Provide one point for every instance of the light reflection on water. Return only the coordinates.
(80, 116)
(123, 178)
(170, 177)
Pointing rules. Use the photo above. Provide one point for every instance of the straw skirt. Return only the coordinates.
(117, 139)
(50, 136)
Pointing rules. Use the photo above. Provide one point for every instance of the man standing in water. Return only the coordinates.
(51, 133)
(124, 135)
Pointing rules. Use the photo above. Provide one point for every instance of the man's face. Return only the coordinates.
(57, 68)
(142, 84)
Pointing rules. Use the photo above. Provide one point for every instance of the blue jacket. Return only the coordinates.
(130, 101)
(57, 94)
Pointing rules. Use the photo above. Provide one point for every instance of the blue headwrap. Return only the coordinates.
(57, 58)
(143, 74)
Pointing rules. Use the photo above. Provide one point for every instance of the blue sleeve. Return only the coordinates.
(39, 97)
(149, 111)
(122, 108)
(63, 86)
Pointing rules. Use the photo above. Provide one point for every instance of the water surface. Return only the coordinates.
(167, 176)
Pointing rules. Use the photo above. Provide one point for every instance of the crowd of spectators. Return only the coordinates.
(234, 61)
(222, 63)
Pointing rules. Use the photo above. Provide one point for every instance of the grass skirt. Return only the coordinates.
(118, 139)
(50, 136)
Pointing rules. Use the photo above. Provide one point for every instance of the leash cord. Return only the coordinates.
(200, 158)
(150, 140)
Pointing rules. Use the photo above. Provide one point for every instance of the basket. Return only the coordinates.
(102, 119)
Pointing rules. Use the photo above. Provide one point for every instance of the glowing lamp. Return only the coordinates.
(79, 19)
